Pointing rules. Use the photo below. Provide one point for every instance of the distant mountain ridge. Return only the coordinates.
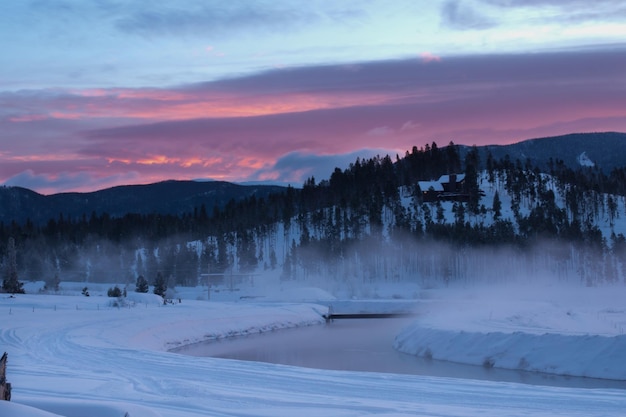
(605, 150)
(167, 197)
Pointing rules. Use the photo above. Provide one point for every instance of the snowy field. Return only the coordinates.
(71, 355)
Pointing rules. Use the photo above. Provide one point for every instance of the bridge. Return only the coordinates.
(330, 316)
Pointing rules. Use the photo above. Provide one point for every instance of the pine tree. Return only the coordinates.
(441, 214)
(56, 282)
(141, 285)
(273, 259)
(496, 206)
(472, 163)
(114, 292)
(160, 285)
(246, 249)
(11, 284)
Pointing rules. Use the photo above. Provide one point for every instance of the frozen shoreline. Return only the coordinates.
(589, 356)
(569, 331)
(69, 353)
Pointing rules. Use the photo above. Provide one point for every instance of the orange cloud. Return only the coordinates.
(122, 161)
(157, 160)
(183, 162)
(251, 163)
(189, 162)
(197, 161)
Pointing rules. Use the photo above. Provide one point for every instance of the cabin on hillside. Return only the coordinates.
(449, 187)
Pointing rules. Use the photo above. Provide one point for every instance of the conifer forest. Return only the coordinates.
(371, 222)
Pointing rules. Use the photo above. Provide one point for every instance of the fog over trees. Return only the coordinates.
(370, 222)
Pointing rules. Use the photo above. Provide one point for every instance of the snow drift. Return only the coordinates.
(587, 356)
(556, 329)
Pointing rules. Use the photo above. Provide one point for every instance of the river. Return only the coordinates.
(364, 345)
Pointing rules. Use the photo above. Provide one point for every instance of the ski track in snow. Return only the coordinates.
(101, 361)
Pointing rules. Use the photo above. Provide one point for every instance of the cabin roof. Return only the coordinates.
(445, 179)
(427, 185)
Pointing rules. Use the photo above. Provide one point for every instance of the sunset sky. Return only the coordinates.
(97, 93)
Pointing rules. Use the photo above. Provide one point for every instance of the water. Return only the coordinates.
(364, 345)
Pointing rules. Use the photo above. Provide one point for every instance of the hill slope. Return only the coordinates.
(168, 197)
(607, 150)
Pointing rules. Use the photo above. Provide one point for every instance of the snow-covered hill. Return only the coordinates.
(404, 252)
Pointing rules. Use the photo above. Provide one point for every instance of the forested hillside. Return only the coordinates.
(495, 219)
(604, 149)
(167, 198)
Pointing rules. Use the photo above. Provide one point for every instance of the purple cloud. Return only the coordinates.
(459, 15)
(284, 124)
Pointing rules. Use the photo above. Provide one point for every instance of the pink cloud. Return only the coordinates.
(409, 125)
(66, 115)
(27, 118)
(428, 57)
(380, 131)
(161, 104)
(240, 128)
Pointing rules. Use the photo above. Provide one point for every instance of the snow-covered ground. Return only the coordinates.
(557, 329)
(71, 355)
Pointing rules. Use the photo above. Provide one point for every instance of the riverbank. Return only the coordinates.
(561, 330)
(71, 354)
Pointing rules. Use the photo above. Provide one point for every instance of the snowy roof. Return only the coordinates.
(426, 185)
(444, 179)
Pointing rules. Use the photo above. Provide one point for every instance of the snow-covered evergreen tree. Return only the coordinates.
(10, 283)
(141, 285)
(160, 285)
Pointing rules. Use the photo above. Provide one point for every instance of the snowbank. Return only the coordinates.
(12, 409)
(587, 356)
(571, 331)
(68, 408)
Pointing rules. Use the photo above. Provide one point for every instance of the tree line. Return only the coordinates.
(331, 226)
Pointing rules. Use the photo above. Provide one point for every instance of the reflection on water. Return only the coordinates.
(364, 345)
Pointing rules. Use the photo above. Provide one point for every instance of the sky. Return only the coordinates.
(98, 93)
